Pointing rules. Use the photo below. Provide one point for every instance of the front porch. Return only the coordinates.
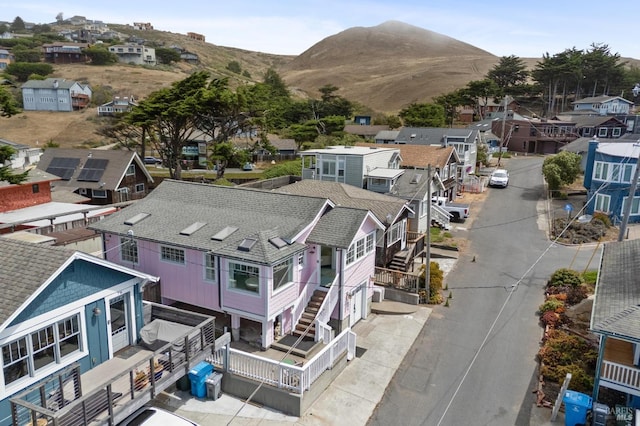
(618, 371)
(111, 391)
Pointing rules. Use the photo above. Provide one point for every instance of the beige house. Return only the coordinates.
(134, 54)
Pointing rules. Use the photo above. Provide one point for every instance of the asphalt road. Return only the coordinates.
(474, 362)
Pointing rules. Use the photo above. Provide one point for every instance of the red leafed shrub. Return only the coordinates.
(550, 318)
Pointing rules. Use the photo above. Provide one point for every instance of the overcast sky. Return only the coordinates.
(287, 27)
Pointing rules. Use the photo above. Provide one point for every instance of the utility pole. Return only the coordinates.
(502, 136)
(427, 272)
(627, 207)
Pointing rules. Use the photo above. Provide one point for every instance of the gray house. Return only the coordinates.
(53, 94)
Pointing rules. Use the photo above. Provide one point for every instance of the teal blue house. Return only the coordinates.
(61, 307)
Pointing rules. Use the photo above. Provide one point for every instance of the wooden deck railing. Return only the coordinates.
(397, 279)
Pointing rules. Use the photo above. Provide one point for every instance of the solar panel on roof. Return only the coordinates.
(63, 167)
(90, 175)
(96, 163)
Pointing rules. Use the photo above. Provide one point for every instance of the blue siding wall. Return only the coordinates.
(97, 338)
(80, 279)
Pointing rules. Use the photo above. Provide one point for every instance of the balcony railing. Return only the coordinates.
(620, 377)
(397, 279)
(67, 399)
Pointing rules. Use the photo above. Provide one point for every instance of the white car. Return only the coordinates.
(499, 177)
(152, 416)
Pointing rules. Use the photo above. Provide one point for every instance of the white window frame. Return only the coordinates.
(245, 269)
(360, 248)
(627, 173)
(172, 255)
(635, 206)
(209, 267)
(139, 187)
(288, 263)
(602, 132)
(602, 203)
(601, 171)
(394, 234)
(617, 131)
(99, 193)
(131, 170)
(128, 250)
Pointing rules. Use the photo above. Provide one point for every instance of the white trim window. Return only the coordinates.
(602, 203)
(301, 260)
(209, 267)
(627, 172)
(360, 248)
(617, 132)
(395, 233)
(131, 170)
(601, 170)
(635, 206)
(602, 132)
(128, 250)
(139, 187)
(282, 274)
(172, 254)
(50, 345)
(244, 277)
(99, 193)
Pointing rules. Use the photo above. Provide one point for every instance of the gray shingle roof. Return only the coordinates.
(118, 161)
(49, 83)
(175, 205)
(433, 135)
(616, 308)
(24, 267)
(338, 228)
(345, 195)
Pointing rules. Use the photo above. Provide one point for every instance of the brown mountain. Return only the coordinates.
(388, 66)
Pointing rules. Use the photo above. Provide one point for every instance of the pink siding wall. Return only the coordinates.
(243, 301)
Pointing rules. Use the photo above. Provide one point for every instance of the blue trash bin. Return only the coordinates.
(576, 405)
(198, 377)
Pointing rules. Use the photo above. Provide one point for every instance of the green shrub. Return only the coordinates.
(565, 277)
(552, 304)
(436, 278)
(590, 277)
(289, 168)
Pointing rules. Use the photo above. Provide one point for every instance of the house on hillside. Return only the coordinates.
(391, 242)
(353, 165)
(65, 52)
(24, 156)
(609, 171)
(267, 264)
(104, 176)
(6, 58)
(68, 321)
(136, 54)
(603, 105)
(117, 106)
(52, 94)
(614, 318)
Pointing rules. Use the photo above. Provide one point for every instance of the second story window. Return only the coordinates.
(129, 250)
(282, 274)
(209, 267)
(131, 170)
(171, 254)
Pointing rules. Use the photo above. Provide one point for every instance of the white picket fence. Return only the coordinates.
(275, 373)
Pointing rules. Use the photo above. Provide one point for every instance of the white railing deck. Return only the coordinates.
(620, 377)
(276, 373)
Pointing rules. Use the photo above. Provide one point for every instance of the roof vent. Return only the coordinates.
(137, 218)
(192, 228)
(278, 242)
(416, 178)
(224, 233)
(247, 244)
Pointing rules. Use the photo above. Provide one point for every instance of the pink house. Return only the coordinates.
(267, 265)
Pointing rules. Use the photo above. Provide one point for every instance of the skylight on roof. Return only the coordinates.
(416, 178)
(192, 228)
(278, 242)
(137, 218)
(224, 233)
(247, 244)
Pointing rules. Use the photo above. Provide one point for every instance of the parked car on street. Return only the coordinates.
(152, 416)
(457, 211)
(152, 160)
(499, 177)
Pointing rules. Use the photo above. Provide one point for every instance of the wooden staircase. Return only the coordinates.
(307, 346)
(309, 315)
(402, 259)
